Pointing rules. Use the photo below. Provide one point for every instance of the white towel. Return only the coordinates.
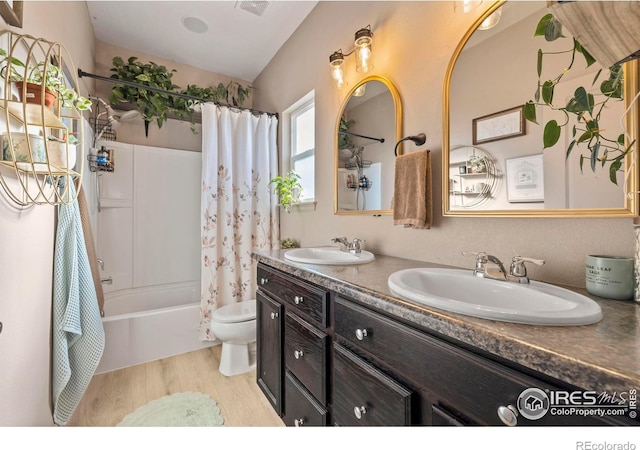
(78, 333)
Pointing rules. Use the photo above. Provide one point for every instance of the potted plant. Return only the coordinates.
(584, 105)
(33, 81)
(154, 106)
(477, 164)
(289, 243)
(288, 189)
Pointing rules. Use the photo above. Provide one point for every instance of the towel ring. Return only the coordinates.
(418, 139)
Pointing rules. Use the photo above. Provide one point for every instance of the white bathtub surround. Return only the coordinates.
(148, 323)
(149, 240)
(239, 212)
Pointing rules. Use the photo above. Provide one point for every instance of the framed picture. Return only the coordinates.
(525, 179)
(11, 12)
(501, 125)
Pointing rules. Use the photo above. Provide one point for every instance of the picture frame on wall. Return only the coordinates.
(501, 125)
(11, 12)
(525, 179)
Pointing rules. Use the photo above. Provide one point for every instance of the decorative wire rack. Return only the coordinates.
(104, 127)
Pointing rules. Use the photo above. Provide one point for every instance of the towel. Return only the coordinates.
(412, 200)
(90, 246)
(78, 334)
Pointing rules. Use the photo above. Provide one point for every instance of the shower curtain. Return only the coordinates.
(239, 212)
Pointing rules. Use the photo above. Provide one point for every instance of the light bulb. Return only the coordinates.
(364, 52)
(335, 61)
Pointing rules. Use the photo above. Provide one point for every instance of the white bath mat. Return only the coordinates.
(185, 409)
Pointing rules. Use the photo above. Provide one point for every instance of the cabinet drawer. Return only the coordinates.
(465, 382)
(302, 297)
(301, 409)
(363, 395)
(305, 355)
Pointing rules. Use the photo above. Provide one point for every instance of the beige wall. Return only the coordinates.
(26, 248)
(413, 44)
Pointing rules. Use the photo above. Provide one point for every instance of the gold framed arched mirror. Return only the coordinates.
(492, 75)
(367, 128)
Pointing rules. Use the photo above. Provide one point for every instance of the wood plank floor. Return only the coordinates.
(111, 396)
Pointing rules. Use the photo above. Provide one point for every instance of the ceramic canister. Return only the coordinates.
(610, 276)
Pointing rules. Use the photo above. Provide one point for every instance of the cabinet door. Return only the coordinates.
(301, 408)
(269, 349)
(363, 395)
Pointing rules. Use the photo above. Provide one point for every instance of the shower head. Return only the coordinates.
(115, 119)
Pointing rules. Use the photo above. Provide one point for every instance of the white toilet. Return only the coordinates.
(235, 326)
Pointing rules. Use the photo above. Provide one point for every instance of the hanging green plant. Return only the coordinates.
(344, 140)
(184, 108)
(288, 189)
(154, 106)
(585, 106)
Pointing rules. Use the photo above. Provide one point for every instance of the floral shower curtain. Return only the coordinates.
(239, 213)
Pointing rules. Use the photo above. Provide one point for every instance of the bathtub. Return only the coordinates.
(145, 324)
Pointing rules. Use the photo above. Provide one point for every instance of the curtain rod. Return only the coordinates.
(81, 74)
(381, 140)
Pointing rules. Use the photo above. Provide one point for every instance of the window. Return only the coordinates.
(300, 120)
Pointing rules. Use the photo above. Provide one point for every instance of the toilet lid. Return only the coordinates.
(236, 312)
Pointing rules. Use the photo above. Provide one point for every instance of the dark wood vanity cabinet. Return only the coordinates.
(356, 366)
(297, 354)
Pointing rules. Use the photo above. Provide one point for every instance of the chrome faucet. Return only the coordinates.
(352, 247)
(517, 270)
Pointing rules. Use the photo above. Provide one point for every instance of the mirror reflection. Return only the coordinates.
(366, 132)
(494, 76)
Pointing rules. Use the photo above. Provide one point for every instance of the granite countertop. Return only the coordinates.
(602, 357)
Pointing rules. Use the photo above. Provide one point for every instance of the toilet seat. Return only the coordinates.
(236, 312)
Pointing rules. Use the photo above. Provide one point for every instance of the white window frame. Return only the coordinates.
(288, 129)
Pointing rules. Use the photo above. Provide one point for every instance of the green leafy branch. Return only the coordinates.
(584, 105)
(288, 189)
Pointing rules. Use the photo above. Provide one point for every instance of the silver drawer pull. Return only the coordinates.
(298, 422)
(298, 299)
(359, 411)
(264, 281)
(361, 333)
(509, 415)
(298, 354)
(274, 315)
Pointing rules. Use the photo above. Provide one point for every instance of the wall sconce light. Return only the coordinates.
(364, 56)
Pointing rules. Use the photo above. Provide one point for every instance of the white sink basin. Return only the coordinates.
(327, 255)
(458, 291)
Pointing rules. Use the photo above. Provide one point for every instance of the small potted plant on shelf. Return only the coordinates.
(32, 81)
(288, 189)
(477, 164)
